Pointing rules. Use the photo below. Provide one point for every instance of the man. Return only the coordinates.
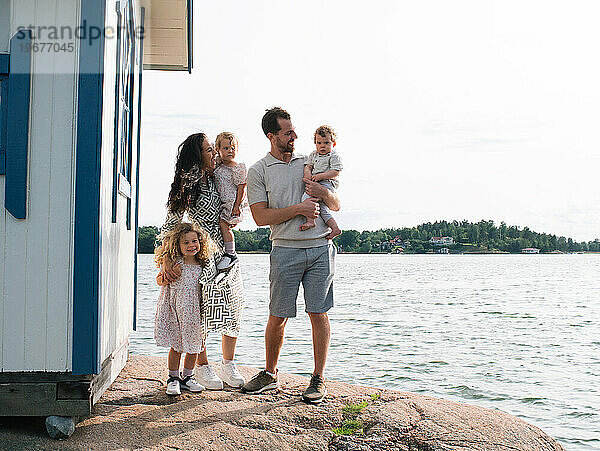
(275, 187)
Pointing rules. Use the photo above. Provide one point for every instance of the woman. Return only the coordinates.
(193, 192)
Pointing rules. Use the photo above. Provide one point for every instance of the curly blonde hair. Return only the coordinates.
(323, 130)
(170, 244)
(226, 136)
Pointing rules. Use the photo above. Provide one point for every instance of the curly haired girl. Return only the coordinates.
(178, 322)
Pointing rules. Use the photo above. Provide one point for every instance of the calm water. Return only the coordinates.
(519, 333)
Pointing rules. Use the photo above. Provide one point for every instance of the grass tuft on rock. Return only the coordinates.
(375, 396)
(349, 427)
(355, 408)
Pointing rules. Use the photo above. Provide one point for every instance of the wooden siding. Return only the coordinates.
(35, 275)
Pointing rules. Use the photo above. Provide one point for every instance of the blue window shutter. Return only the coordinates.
(3, 119)
(17, 124)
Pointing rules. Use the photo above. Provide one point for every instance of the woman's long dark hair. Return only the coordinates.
(188, 172)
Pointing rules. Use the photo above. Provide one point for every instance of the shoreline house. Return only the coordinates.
(442, 241)
(70, 106)
(395, 245)
(530, 250)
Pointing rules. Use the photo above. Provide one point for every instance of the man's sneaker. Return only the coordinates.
(207, 377)
(173, 387)
(259, 383)
(190, 383)
(227, 262)
(316, 391)
(230, 374)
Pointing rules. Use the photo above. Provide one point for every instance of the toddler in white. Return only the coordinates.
(230, 179)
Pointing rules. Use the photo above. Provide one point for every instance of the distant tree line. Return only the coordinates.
(482, 236)
(146, 238)
(479, 236)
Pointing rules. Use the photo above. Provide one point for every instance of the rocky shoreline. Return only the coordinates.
(135, 413)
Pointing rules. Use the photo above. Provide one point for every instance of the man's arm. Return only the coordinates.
(331, 174)
(316, 190)
(263, 215)
(308, 170)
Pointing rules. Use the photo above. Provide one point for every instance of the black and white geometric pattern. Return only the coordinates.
(222, 302)
(222, 299)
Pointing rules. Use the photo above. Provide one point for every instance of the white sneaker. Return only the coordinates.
(227, 262)
(207, 377)
(230, 374)
(190, 383)
(173, 387)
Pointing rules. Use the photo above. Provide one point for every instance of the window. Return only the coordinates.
(124, 84)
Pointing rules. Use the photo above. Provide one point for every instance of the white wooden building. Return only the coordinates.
(70, 105)
(530, 250)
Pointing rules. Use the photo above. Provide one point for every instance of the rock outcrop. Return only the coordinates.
(136, 413)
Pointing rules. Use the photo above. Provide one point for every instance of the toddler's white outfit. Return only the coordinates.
(227, 180)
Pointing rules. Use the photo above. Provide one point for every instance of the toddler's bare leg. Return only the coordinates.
(335, 230)
(225, 231)
(310, 222)
(189, 361)
(174, 360)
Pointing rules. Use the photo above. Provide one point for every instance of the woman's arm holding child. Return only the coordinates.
(160, 280)
(169, 271)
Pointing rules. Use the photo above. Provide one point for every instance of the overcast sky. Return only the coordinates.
(444, 110)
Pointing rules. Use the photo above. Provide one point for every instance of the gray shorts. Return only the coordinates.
(314, 267)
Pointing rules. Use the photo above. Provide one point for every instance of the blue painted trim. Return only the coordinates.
(4, 66)
(190, 36)
(86, 266)
(3, 120)
(115, 190)
(4, 63)
(137, 173)
(17, 125)
(131, 76)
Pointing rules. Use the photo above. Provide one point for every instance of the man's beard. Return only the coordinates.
(287, 148)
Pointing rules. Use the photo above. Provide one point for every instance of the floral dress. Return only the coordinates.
(221, 312)
(227, 180)
(178, 322)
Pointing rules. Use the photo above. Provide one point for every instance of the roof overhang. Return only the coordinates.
(168, 35)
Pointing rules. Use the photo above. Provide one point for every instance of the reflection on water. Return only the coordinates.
(514, 332)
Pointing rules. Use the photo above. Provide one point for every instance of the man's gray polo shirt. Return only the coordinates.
(280, 185)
